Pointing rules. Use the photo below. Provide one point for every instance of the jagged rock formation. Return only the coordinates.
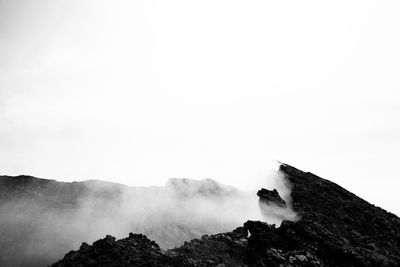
(336, 228)
(271, 197)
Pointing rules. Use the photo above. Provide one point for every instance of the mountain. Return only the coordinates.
(41, 219)
(333, 228)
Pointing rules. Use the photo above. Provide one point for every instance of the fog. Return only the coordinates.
(100, 89)
(45, 219)
(137, 91)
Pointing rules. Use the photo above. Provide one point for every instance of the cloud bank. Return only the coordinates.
(44, 220)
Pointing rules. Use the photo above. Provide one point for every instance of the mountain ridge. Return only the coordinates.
(335, 228)
(40, 219)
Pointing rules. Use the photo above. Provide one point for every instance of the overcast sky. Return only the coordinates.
(140, 91)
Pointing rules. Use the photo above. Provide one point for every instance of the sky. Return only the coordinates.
(137, 92)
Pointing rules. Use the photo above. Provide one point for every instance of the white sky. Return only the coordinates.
(140, 91)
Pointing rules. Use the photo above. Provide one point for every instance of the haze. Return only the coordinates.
(137, 92)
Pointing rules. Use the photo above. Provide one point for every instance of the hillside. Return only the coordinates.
(334, 228)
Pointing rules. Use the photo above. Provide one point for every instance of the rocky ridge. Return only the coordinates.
(335, 228)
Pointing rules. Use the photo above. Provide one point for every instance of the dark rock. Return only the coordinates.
(135, 250)
(271, 197)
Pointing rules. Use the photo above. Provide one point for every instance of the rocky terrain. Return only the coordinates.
(41, 219)
(334, 228)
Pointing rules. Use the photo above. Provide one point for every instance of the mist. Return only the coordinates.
(45, 219)
(101, 89)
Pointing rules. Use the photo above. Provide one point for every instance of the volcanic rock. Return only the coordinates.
(271, 197)
(336, 228)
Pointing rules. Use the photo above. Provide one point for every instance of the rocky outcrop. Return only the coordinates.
(135, 250)
(271, 197)
(336, 228)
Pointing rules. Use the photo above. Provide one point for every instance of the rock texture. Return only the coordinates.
(336, 228)
(271, 197)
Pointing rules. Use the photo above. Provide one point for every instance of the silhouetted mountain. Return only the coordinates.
(41, 219)
(335, 228)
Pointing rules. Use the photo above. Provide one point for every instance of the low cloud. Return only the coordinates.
(44, 221)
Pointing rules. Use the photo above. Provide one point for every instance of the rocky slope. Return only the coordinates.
(335, 228)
